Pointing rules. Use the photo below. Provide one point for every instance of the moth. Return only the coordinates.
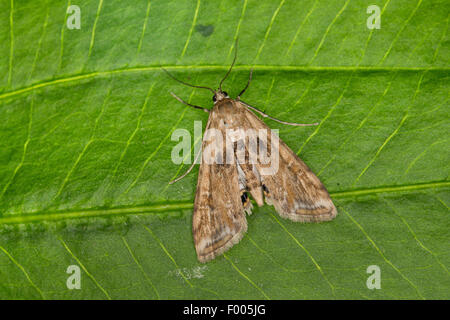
(223, 189)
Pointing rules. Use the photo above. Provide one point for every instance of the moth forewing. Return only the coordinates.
(219, 214)
(294, 190)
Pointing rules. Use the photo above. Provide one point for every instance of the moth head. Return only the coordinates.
(219, 95)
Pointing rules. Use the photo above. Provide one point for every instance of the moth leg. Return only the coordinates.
(188, 170)
(188, 104)
(248, 83)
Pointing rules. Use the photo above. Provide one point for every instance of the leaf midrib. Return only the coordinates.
(83, 76)
(182, 205)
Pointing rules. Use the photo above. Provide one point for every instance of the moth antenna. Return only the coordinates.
(280, 121)
(187, 103)
(187, 84)
(248, 83)
(231, 67)
(187, 172)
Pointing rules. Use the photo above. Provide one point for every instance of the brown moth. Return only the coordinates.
(222, 196)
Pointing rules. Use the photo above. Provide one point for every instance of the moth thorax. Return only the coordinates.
(225, 107)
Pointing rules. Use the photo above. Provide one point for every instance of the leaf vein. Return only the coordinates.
(25, 146)
(272, 20)
(86, 146)
(236, 34)
(183, 205)
(90, 75)
(168, 254)
(319, 268)
(11, 44)
(91, 44)
(399, 32)
(61, 50)
(393, 133)
(327, 31)
(141, 39)
(138, 124)
(33, 66)
(194, 20)
(150, 157)
(381, 253)
(246, 277)
(300, 27)
(140, 267)
(83, 267)
(18, 265)
(361, 124)
(420, 243)
(330, 112)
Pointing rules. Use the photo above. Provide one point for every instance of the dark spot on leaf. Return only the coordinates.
(205, 31)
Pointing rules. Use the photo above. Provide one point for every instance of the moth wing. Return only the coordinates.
(294, 190)
(219, 220)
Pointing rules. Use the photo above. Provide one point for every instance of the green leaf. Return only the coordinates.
(85, 145)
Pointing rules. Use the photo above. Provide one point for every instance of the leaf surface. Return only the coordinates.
(85, 148)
